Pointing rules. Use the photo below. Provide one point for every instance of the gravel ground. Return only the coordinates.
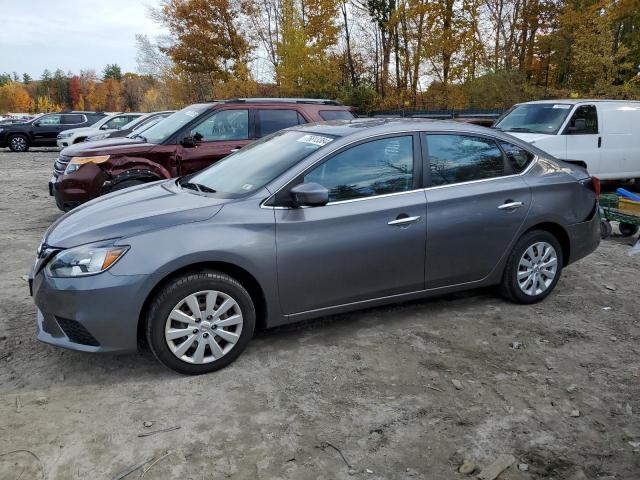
(408, 391)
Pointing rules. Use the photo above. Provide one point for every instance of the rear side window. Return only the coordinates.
(336, 115)
(584, 121)
(369, 169)
(463, 158)
(72, 119)
(518, 158)
(269, 121)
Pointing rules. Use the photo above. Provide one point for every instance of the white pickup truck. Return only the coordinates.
(603, 135)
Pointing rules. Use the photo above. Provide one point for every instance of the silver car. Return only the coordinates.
(313, 220)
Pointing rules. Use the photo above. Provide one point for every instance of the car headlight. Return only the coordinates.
(77, 162)
(100, 136)
(85, 260)
(65, 135)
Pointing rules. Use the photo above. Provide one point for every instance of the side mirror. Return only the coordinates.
(309, 195)
(188, 142)
(36, 124)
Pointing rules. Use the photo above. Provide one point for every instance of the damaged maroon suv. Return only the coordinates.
(183, 143)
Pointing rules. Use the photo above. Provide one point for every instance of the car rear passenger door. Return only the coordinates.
(368, 241)
(476, 204)
(270, 120)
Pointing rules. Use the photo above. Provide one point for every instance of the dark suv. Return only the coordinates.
(43, 131)
(183, 143)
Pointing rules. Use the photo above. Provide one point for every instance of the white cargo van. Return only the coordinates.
(603, 135)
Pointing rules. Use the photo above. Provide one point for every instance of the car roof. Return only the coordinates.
(365, 127)
(574, 101)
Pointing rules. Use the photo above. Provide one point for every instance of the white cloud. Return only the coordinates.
(72, 34)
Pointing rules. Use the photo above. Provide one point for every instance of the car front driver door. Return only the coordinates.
(368, 242)
(46, 129)
(215, 137)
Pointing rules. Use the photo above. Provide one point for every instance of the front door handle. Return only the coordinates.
(510, 205)
(403, 220)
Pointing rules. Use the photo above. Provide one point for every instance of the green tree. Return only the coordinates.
(112, 71)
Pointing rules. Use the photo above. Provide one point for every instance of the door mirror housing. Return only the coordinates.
(309, 195)
(188, 142)
(36, 123)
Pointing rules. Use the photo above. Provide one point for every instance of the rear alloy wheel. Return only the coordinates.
(533, 268)
(200, 322)
(19, 143)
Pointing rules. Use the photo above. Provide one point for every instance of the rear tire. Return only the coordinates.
(627, 229)
(208, 292)
(18, 143)
(605, 229)
(533, 268)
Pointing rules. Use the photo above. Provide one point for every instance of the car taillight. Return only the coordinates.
(593, 184)
(595, 181)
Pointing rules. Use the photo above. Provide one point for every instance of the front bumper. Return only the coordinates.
(584, 237)
(77, 188)
(98, 313)
(63, 142)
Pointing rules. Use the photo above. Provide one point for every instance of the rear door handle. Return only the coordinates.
(510, 205)
(401, 221)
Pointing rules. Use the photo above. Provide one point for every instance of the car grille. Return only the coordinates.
(61, 164)
(76, 332)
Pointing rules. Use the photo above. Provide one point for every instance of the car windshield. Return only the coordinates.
(534, 118)
(258, 163)
(170, 125)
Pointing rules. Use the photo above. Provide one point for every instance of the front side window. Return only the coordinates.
(117, 122)
(269, 121)
(518, 158)
(463, 158)
(373, 168)
(50, 120)
(534, 118)
(223, 125)
(584, 121)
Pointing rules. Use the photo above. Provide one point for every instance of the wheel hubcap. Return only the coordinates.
(203, 327)
(537, 268)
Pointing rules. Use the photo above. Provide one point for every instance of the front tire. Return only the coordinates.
(19, 143)
(200, 322)
(124, 184)
(533, 268)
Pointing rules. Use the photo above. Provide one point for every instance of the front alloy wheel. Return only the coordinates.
(200, 322)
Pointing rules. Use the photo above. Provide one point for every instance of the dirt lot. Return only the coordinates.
(376, 385)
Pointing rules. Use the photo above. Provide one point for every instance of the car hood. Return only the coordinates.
(108, 146)
(529, 137)
(131, 211)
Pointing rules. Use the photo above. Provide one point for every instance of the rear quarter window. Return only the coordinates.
(518, 158)
(336, 115)
(72, 119)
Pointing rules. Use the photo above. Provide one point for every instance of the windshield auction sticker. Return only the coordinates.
(562, 106)
(315, 140)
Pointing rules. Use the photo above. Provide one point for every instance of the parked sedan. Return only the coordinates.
(138, 124)
(313, 220)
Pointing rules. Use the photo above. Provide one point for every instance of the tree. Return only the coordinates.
(206, 42)
(112, 71)
(26, 78)
(14, 98)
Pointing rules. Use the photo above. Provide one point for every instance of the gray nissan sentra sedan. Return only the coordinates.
(312, 220)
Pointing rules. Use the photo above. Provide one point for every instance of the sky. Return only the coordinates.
(72, 34)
